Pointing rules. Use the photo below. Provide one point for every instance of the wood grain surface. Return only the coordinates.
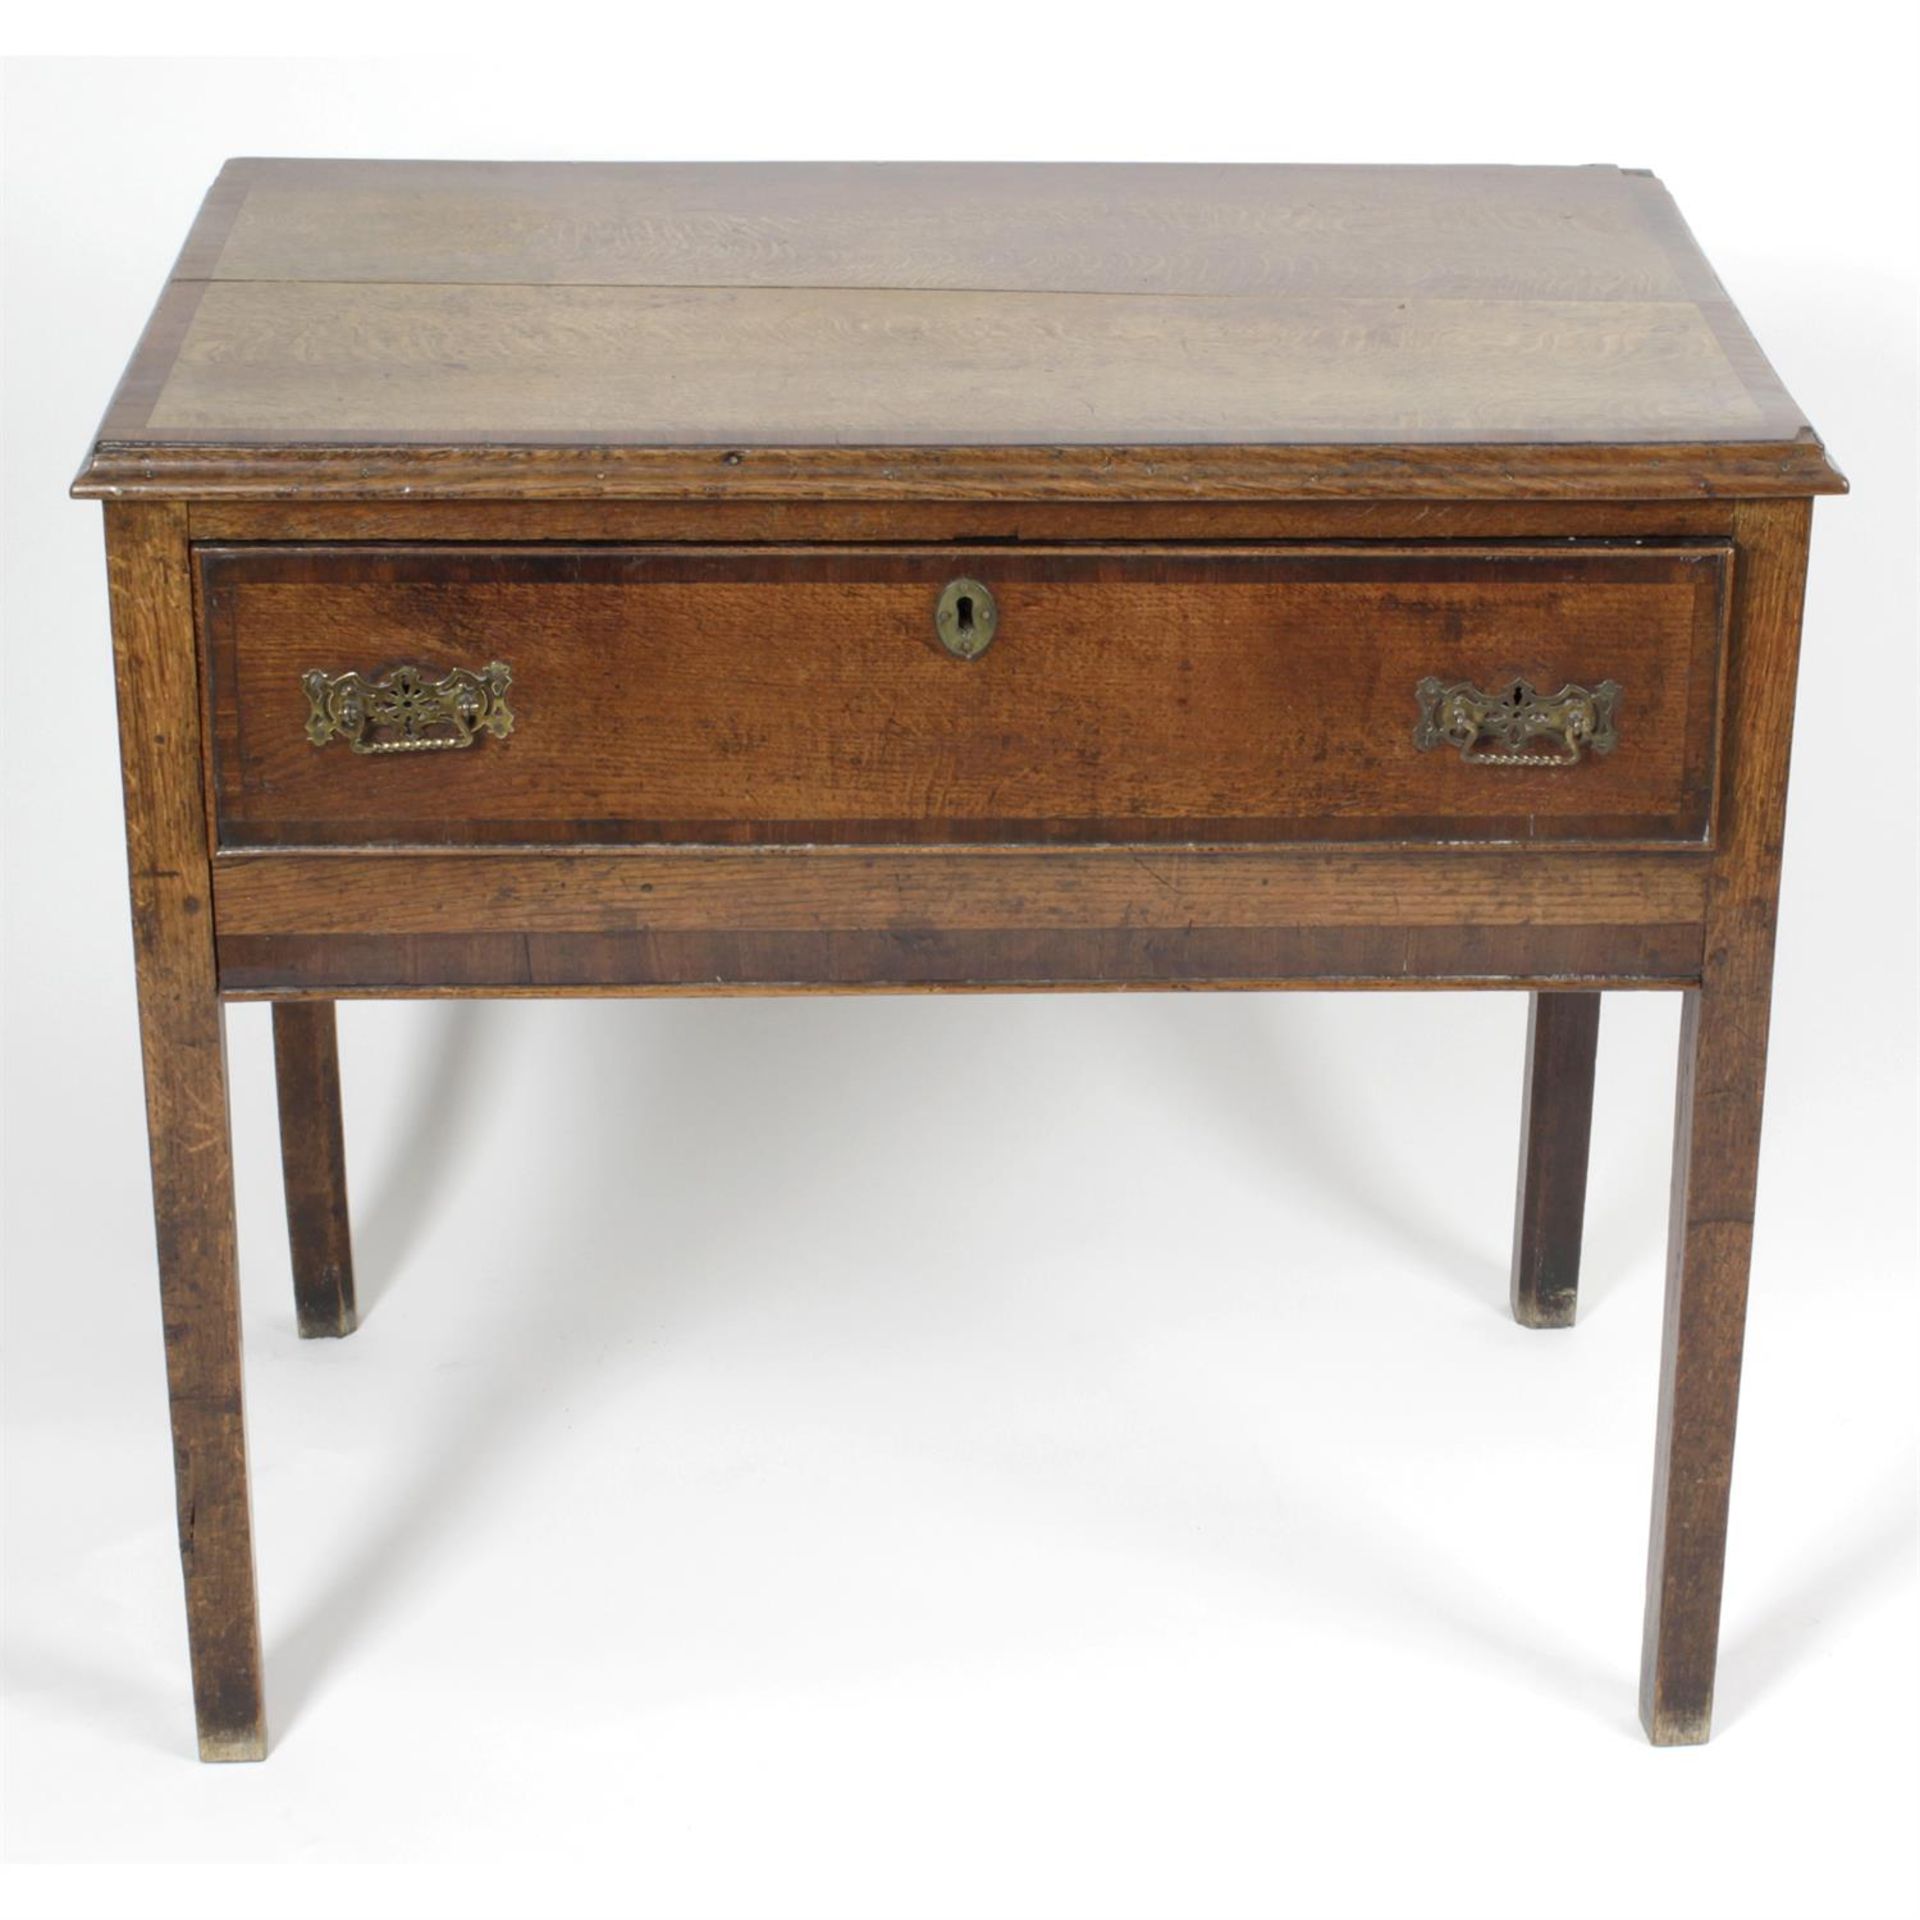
(313, 1164)
(800, 695)
(1471, 232)
(1096, 522)
(1556, 1125)
(706, 920)
(1228, 327)
(1716, 1151)
(777, 366)
(694, 448)
(307, 470)
(924, 889)
(1386, 954)
(183, 1049)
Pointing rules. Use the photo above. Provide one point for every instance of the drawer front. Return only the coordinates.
(796, 695)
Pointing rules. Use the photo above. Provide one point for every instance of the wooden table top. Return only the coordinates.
(579, 330)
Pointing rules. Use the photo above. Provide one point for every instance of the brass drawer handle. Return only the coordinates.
(966, 618)
(414, 713)
(1493, 729)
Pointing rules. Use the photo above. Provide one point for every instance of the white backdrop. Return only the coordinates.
(1040, 1456)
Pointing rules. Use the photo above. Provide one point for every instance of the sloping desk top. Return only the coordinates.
(448, 329)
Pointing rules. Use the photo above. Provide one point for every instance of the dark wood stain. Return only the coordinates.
(1556, 1123)
(183, 1045)
(786, 522)
(591, 469)
(1082, 957)
(923, 889)
(313, 1157)
(1716, 1154)
(1244, 453)
(799, 696)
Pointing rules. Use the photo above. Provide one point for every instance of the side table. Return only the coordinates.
(586, 579)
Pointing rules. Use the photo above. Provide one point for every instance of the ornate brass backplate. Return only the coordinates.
(1495, 729)
(406, 712)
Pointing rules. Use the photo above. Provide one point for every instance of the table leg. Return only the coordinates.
(183, 1046)
(1556, 1123)
(1715, 1157)
(313, 1164)
(1716, 1146)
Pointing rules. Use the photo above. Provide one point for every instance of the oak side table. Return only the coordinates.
(584, 579)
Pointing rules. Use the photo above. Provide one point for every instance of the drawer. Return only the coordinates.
(794, 695)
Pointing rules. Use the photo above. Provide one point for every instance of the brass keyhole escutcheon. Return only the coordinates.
(965, 618)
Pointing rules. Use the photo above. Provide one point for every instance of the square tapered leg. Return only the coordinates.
(183, 1046)
(1556, 1124)
(1716, 1146)
(313, 1160)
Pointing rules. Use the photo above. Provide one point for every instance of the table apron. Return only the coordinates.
(691, 920)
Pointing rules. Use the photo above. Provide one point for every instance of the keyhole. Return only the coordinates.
(964, 617)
